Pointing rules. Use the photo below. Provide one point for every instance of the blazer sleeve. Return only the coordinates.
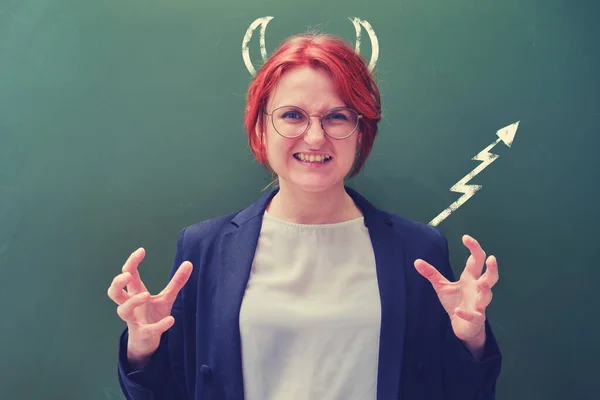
(163, 377)
(465, 378)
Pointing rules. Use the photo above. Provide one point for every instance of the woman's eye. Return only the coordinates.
(292, 115)
(337, 116)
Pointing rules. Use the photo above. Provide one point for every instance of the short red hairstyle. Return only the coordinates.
(352, 79)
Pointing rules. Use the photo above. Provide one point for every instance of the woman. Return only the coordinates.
(311, 292)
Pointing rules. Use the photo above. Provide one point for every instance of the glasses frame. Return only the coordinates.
(310, 121)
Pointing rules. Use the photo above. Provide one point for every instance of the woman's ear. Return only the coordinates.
(258, 131)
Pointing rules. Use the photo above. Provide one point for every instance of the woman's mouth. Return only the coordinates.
(312, 159)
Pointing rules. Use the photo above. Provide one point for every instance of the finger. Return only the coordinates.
(491, 275)
(125, 310)
(474, 317)
(429, 272)
(178, 280)
(477, 257)
(131, 265)
(116, 290)
(155, 329)
(484, 298)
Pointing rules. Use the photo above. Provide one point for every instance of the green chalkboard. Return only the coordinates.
(121, 123)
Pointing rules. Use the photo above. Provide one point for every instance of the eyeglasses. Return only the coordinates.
(291, 122)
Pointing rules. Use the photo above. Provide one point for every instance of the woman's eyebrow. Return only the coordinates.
(305, 108)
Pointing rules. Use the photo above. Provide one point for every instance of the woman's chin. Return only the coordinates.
(314, 184)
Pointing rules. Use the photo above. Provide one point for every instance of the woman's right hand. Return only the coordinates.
(147, 316)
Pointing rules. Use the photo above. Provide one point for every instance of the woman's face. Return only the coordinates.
(313, 91)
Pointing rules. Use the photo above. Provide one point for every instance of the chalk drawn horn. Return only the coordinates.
(263, 22)
(358, 25)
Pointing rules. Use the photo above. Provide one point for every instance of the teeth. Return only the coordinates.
(313, 158)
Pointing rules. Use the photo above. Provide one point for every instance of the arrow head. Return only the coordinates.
(507, 134)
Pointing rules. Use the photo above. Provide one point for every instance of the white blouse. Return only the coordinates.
(311, 316)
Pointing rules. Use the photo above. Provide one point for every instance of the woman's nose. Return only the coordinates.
(314, 135)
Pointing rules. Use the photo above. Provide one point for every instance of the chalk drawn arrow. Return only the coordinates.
(506, 135)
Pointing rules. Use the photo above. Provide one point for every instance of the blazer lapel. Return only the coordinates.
(236, 249)
(389, 259)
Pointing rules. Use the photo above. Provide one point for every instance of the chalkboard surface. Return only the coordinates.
(121, 123)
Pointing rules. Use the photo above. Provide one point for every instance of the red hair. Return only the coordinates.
(352, 79)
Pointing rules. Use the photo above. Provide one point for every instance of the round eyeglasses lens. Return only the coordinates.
(290, 121)
(340, 122)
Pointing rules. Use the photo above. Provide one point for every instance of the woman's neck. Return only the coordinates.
(325, 207)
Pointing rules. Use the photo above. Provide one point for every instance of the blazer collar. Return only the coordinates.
(257, 209)
(237, 249)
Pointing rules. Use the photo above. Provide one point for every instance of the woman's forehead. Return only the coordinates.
(310, 89)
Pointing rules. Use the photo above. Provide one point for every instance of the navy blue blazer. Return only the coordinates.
(420, 358)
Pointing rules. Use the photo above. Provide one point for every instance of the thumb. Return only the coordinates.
(156, 329)
(177, 282)
(430, 273)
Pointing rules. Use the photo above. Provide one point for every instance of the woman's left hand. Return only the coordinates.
(465, 301)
